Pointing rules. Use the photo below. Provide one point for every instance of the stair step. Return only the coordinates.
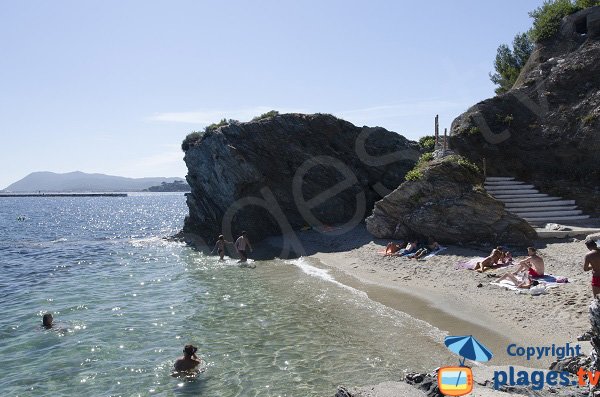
(499, 178)
(541, 209)
(526, 199)
(503, 183)
(556, 219)
(537, 204)
(513, 191)
(510, 187)
(540, 196)
(547, 214)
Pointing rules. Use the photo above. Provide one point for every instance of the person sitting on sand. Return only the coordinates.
(490, 261)
(505, 258)
(189, 361)
(533, 264)
(526, 283)
(592, 262)
(220, 246)
(392, 248)
(47, 321)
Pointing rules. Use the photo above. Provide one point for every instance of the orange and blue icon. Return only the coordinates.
(458, 381)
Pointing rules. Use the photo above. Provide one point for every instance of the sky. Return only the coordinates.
(113, 86)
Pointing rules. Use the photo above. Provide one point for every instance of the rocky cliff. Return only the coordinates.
(546, 130)
(275, 175)
(448, 203)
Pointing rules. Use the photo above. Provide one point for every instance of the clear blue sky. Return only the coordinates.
(114, 86)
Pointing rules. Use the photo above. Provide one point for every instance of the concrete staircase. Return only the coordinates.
(528, 203)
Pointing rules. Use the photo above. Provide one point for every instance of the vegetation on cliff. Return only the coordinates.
(547, 20)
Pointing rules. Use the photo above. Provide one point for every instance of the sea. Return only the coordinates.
(125, 300)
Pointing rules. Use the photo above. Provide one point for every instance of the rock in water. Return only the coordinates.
(449, 204)
(275, 175)
(545, 129)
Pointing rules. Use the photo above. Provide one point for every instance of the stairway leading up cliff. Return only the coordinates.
(527, 202)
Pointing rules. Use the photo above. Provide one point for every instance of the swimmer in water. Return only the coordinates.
(47, 321)
(189, 361)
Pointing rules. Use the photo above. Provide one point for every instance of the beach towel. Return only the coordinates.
(471, 263)
(545, 283)
(433, 253)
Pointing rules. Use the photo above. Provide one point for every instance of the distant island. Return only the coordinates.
(83, 182)
(175, 186)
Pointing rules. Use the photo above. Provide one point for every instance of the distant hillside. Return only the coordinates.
(177, 186)
(81, 182)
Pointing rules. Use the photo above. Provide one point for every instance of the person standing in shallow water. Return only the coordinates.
(241, 245)
(220, 246)
(592, 262)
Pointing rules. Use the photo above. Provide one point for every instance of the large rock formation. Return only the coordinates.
(449, 204)
(546, 130)
(271, 176)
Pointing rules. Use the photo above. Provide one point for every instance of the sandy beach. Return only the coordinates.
(463, 302)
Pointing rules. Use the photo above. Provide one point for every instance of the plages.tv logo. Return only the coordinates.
(458, 381)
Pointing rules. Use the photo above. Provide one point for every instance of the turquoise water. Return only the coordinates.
(125, 302)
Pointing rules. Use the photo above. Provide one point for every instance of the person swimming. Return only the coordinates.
(47, 320)
(189, 361)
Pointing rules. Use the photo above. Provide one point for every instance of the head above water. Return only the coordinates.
(189, 350)
(47, 320)
(591, 244)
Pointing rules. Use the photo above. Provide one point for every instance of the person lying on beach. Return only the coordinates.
(533, 264)
(220, 246)
(410, 248)
(490, 261)
(592, 262)
(189, 361)
(431, 246)
(526, 283)
(47, 321)
(392, 248)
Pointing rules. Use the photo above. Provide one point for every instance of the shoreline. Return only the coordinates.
(462, 302)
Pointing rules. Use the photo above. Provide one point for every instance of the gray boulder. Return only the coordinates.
(447, 203)
(278, 174)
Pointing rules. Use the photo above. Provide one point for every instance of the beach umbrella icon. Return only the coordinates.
(468, 347)
(458, 381)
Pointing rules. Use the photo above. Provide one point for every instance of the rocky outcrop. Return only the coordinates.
(274, 175)
(448, 203)
(546, 129)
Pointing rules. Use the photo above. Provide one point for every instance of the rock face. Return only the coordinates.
(272, 176)
(448, 204)
(546, 130)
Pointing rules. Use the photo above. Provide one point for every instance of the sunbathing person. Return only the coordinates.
(431, 246)
(526, 283)
(490, 261)
(533, 264)
(392, 248)
(410, 248)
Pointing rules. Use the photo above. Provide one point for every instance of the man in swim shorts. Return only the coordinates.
(592, 262)
(533, 264)
(189, 361)
(240, 244)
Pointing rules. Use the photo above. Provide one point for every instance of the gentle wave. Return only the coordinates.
(323, 274)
